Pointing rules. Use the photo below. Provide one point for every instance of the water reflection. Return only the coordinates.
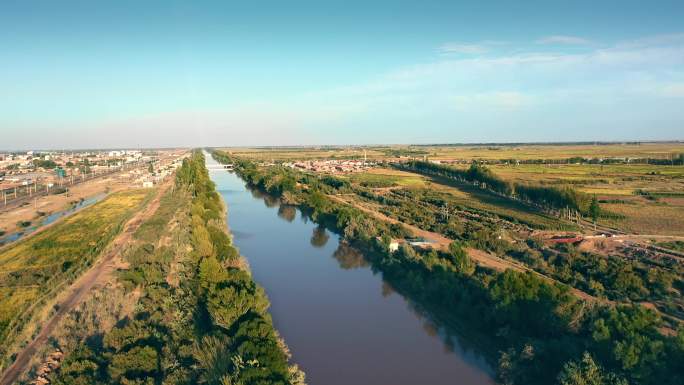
(256, 193)
(319, 237)
(241, 234)
(349, 257)
(287, 212)
(453, 340)
(270, 201)
(387, 289)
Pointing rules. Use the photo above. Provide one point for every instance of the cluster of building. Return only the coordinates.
(160, 170)
(52, 167)
(332, 165)
(18, 163)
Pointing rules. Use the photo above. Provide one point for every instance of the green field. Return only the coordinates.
(385, 177)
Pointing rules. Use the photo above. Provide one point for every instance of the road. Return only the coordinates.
(80, 287)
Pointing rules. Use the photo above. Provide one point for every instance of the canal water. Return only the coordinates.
(343, 323)
(48, 219)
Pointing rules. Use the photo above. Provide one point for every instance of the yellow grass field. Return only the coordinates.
(645, 150)
(388, 177)
(30, 269)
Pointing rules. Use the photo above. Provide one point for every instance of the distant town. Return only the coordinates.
(41, 172)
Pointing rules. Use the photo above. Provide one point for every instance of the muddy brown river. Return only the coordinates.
(343, 323)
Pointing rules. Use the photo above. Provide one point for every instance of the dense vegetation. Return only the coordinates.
(200, 317)
(638, 278)
(537, 331)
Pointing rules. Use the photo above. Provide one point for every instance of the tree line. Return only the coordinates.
(549, 197)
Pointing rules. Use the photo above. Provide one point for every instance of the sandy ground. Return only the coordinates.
(52, 203)
(98, 274)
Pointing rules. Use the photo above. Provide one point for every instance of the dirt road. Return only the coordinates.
(81, 286)
(481, 257)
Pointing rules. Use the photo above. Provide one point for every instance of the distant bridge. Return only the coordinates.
(219, 166)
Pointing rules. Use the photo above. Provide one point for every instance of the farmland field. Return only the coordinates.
(553, 151)
(647, 199)
(464, 152)
(31, 270)
(385, 177)
(636, 197)
(457, 195)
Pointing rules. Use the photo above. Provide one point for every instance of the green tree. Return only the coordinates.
(587, 372)
(594, 210)
(461, 259)
(139, 362)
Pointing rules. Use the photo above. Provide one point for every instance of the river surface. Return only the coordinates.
(342, 322)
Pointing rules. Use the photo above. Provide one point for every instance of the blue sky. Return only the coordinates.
(167, 73)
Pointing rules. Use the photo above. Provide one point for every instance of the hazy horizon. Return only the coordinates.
(344, 145)
(171, 74)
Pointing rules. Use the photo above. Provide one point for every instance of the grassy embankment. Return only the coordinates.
(35, 269)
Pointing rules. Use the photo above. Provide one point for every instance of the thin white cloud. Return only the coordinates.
(510, 100)
(653, 41)
(475, 48)
(673, 90)
(467, 49)
(563, 39)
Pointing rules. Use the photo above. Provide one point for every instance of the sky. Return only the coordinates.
(99, 74)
